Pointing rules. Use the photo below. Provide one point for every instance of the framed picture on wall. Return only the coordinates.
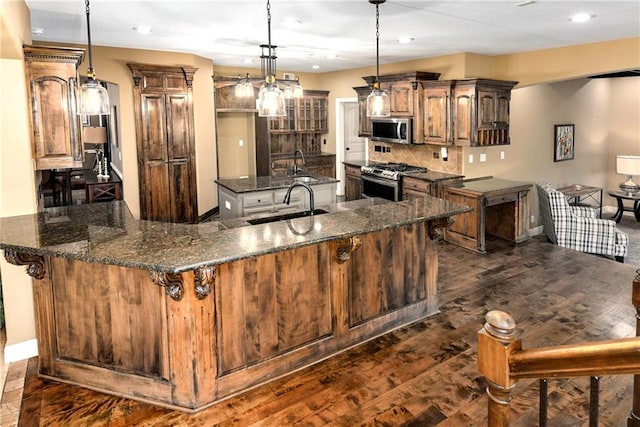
(563, 142)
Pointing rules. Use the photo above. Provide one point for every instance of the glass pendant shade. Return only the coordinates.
(271, 102)
(298, 91)
(378, 104)
(94, 99)
(244, 89)
(288, 92)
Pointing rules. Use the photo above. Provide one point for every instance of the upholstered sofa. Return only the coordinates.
(578, 227)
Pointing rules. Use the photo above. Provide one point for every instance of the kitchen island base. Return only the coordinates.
(190, 339)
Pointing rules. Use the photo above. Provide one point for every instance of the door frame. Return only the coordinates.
(340, 142)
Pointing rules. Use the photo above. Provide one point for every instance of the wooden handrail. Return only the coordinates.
(612, 357)
(503, 362)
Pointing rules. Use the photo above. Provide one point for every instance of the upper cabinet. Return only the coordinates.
(472, 113)
(52, 82)
(306, 114)
(481, 112)
(364, 123)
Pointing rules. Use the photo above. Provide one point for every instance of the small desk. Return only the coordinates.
(584, 195)
(620, 196)
(103, 189)
(500, 208)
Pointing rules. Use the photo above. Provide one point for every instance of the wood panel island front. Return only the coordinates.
(185, 315)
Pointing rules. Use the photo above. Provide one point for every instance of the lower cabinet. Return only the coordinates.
(352, 182)
(413, 188)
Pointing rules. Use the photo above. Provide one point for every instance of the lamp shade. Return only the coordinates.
(628, 165)
(94, 135)
(93, 99)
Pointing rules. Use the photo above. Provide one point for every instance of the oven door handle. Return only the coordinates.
(381, 181)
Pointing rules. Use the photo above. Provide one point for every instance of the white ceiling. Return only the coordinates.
(228, 31)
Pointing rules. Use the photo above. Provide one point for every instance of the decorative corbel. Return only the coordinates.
(346, 247)
(172, 282)
(34, 263)
(204, 278)
(137, 80)
(438, 226)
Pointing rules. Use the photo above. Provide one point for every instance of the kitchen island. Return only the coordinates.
(185, 315)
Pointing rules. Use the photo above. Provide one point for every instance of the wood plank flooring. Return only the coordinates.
(421, 375)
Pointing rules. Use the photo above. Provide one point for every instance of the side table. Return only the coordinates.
(620, 196)
(103, 189)
(584, 195)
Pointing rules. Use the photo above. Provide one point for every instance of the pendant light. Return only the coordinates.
(244, 88)
(378, 103)
(94, 99)
(271, 101)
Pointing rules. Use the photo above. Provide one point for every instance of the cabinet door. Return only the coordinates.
(364, 123)
(401, 99)
(311, 114)
(465, 123)
(287, 123)
(352, 183)
(437, 115)
(51, 87)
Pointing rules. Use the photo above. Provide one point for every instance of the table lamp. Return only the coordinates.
(628, 165)
(97, 135)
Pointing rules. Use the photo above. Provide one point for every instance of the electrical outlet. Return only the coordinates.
(470, 158)
(387, 149)
(483, 157)
(533, 219)
(436, 155)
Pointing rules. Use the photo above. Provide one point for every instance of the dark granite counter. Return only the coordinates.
(434, 176)
(307, 155)
(258, 183)
(107, 233)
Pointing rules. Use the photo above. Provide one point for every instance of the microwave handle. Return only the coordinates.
(399, 130)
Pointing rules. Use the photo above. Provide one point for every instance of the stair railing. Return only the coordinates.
(503, 362)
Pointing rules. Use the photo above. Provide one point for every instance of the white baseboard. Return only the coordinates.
(20, 351)
(536, 231)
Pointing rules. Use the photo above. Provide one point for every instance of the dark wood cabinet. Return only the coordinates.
(364, 122)
(437, 119)
(352, 182)
(52, 83)
(413, 188)
(481, 112)
(402, 98)
(165, 142)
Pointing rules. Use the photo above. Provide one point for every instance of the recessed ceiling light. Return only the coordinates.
(142, 29)
(248, 60)
(405, 40)
(315, 67)
(581, 17)
(331, 56)
(37, 31)
(291, 23)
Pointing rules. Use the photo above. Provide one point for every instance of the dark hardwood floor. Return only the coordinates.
(424, 374)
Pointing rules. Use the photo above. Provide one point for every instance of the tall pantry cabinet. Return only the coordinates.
(163, 103)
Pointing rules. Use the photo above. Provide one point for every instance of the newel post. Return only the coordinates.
(634, 415)
(496, 342)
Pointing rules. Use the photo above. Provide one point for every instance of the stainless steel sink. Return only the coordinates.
(283, 217)
(305, 179)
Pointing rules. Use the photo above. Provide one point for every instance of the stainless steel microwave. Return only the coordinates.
(390, 129)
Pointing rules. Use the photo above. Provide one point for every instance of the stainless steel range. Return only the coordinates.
(383, 179)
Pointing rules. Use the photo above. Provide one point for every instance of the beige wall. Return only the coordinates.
(534, 110)
(238, 160)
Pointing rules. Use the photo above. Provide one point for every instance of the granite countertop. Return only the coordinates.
(259, 183)
(107, 233)
(307, 155)
(434, 176)
(487, 185)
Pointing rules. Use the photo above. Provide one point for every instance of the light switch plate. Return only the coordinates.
(470, 158)
(483, 157)
(502, 155)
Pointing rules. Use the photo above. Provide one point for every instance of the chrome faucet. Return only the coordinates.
(295, 161)
(287, 197)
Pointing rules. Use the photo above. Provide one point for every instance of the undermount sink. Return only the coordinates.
(286, 216)
(305, 179)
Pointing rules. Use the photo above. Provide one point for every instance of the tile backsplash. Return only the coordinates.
(425, 155)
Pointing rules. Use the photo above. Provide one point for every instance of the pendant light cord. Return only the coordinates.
(90, 72)
(377, 46)
(270, 71)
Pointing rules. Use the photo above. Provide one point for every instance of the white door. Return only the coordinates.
(354, 146)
